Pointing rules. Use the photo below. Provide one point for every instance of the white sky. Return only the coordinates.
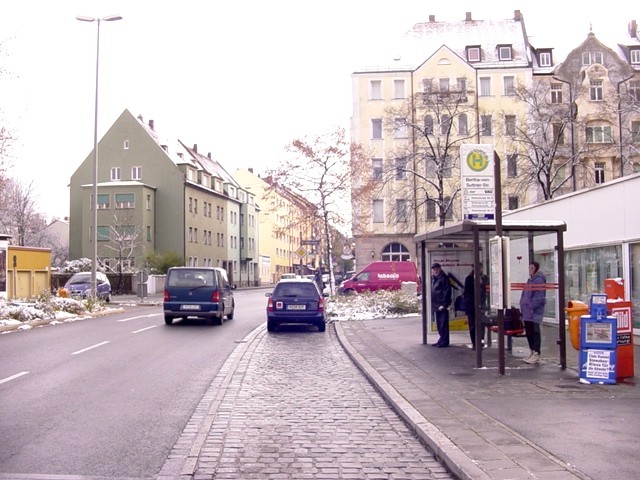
(239, 78)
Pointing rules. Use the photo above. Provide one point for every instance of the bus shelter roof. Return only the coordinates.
(464, 230)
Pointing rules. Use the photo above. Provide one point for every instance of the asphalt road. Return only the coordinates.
(109, 396)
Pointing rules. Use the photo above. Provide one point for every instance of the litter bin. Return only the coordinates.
(574, 311)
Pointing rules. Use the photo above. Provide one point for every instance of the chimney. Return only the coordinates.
(468, 17)
(151, 125)
(140, 118)
(633, 29)
(165, 148)
(517, 16)
(432, 18)
(209, 155)
(250, 169)
(195, 147)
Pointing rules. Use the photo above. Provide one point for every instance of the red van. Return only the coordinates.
(381, 276)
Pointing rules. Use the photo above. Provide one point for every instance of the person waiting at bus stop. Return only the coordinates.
(440, 302)
(470, 303)
(532, 308)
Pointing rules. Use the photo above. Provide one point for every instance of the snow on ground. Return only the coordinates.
(25, 314)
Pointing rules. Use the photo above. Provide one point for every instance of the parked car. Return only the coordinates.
(286, 276)
(202, 292)
(381, 275)
(79, 285)
(295, 301)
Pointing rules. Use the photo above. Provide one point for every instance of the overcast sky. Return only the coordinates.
(239, 78)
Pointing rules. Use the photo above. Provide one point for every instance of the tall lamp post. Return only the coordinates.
(94, 206)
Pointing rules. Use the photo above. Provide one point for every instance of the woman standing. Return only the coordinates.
(532, 308)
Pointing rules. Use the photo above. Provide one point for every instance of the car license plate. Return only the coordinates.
(189, 307)
(296, 307)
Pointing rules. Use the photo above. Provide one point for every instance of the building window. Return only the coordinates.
(599, 134)
(125, 200)
(376, 128)
(376, 90)
(125, 144)
(556, 93)
(558, 133)
(634, 55)
(512, 165)
(103, 201)
(136, 173)
(513, 203)
(376, 168)
(431, 209)
(597, 57)
(115, 174)
(634, 90)
(444, 85)
(448, 215)
(504, 52)
(427, 85)
(398, 89)
(595, 90)
(510, 124)
(485, 86)
(463, 126)
(485, 125)
(599, 172)
(401, 168)
(473, 54)
(148, 202)
(402, 211)
(586, 58)
(148, 233)
(509, 86)
(103, 233)
(635, 133)
(544, 59)
(399, 128)
(428, 125)
(395, 252)
(445, 124)
(378, 211)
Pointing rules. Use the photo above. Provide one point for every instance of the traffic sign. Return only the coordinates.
(300, 252)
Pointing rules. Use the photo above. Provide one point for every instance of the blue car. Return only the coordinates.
(79, 285)
(295, 301)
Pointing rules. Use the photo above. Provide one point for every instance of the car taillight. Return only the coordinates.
(321, 304)
(270, 305)
(166, 295)
(215, 296)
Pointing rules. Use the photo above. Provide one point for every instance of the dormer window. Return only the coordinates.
(505, 52)
(634, 55)
(473, 54)
(544, 58)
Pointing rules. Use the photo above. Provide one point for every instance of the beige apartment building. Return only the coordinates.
(287, 228)
(557, 125)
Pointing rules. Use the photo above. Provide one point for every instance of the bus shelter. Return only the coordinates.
(458, 247)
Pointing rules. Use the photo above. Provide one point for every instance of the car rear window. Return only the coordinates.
(295, 290)
(191, 278)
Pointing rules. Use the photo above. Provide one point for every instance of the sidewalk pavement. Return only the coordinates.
(536, 421)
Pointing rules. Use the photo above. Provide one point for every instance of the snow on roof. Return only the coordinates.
(427, 37)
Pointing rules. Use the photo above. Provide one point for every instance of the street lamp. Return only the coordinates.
(94, 233)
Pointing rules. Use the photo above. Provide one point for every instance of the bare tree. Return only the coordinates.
(124, 238)
(428, 130)
(19, 216)
(320, 172)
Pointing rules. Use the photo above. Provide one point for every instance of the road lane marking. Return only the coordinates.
(13, 377)
(143, 329)
(139, 316)
(90, 348)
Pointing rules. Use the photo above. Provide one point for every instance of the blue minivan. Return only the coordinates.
(201, 292)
